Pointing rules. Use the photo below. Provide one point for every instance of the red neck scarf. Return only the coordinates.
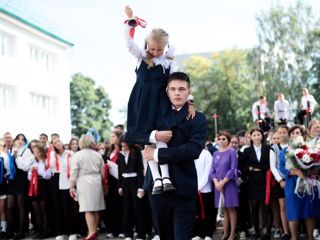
(115, 156)
(68, 164)
(48, 160)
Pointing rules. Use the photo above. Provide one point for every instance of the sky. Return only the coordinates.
(96, 28)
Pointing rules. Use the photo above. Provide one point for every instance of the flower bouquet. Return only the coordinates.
(305, 157)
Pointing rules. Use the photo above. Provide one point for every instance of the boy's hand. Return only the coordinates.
(163, 136)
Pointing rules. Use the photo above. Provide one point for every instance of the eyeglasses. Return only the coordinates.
(222, 139)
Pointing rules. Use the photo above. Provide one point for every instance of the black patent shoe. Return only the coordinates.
(157, 189)
(285, 237)
(3, 235)
(168, 186)
(37, 235)
(18, 236)
(266, 236)
(8, 235)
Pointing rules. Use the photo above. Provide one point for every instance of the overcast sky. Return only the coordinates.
(96, 29)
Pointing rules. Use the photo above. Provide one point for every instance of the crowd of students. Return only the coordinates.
(231, 176)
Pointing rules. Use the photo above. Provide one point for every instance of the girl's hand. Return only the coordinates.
(34, 167)
(191, 111)
(128, 11)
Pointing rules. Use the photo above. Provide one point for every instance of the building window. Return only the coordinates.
(6, 44)
(42, 58)
(42, 104)
(7, 97)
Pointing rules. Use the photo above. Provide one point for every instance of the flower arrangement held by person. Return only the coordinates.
(305, 157)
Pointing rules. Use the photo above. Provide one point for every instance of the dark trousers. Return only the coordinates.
(174, 215)
(205, 225)
(57, 204)
(243, 209)
(68, 212)
(148, 218)
(113, 208)
(133, 214)
(64, 208)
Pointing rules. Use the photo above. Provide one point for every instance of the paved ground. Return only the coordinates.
(217, 236)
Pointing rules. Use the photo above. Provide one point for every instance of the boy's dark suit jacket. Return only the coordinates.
(186, 144)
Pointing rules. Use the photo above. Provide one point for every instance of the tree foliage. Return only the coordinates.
(286, 59)
(90, 106)
(222, 85)
(287, 56)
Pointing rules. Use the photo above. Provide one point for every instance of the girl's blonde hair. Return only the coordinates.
(310, 125)
(158, 35)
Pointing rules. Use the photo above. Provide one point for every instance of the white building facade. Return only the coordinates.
(34, 79)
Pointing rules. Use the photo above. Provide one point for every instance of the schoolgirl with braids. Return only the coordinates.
(149, 108)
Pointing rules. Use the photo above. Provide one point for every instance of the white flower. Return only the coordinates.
(306, 158)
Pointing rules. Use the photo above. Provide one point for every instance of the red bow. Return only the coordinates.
(138, 22)
(33, 186)
(106, 174)
(269, 184)
(48, 160)
(203, 214)
(68, 165)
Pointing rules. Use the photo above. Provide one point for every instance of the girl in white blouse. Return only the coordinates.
(61, 161)
(38, 176)
(283, 135)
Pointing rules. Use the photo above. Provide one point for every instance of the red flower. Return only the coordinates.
(315, 157)
(301, 153)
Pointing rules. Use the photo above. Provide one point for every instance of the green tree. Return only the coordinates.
(90, 106)
(286, 54)
(223, 85)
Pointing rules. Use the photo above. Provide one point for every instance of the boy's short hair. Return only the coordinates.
(179, 76)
